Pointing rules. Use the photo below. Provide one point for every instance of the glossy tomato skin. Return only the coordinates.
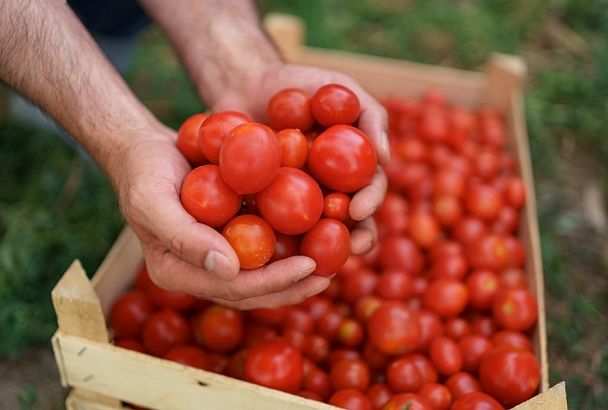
(343, 159)
(290, 108)
(250, 158)
(462, 383)
(187, 139)
(394, 329)
(476, 401)
(430, 328)
(285, 247)
(131, 344)
(403, 376)
(395, 284)
(488, 252)
(446, 297)
(438, 396)
(163, 330)
(449, 266)
(473, 347)
(400, 252)
(358, 284)
(335, 104)
(350, 333)
(409, 401)
(484, 202)
(378, 394)
(206, 196)
(129, 314)
(515, 309)
(294, 148)
(423, 229)
(511, 339)
(219, 328)
(457, 328)
(349, 374)
(292, 204)
(275, 364)
(214, 130)
(335, 205)
(328, 244)
(483, 286)
(445, 355)
(392, 215)
(317, 381)
(252, 239)
(350, 399)
(190, 356)
(511, 376)
(176, 300)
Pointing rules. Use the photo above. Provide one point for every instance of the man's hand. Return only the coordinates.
(252, 96)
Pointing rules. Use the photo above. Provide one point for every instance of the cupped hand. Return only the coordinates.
(182, 254)
(252, 97)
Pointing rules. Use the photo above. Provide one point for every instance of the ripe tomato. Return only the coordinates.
(328, 324)
(515, 192)
(350, 333)
(317, 306)
(468, 229)
(488, 252)
(180, 301)
(335, 205)
(430, 328)
(294, 148)
(487, 164)
(290, 108)
(206, 196)
(411, 149)
(335, 104)
(447, 210)
(483, 325)
(163, 330)
(438, 396)
(142, 279)
(447, 182)
(506, 222)
(130, 344)
(190, 356)
(433, 124)
(425, 367)
(445, 247)
(129, 313)
(297, 338)
(378, 394)
(476, 401)
(349, 374)
(285, 247)
(392, 215)
(409, 401)
(445, 355)
(250, 158)
(513, 278)
(462, 383)
(219, 328)
(375, 358)
(366, 306)
(316, 347)
(187, 139)
(252, 239)
(473, 347)
(328, 244)
(457, 328)
(339, 354)
(343, 159)
(446, 297)
(395, 284)
(511, 376)
(511, 339)
(254, 334)
(292, 204)
(423, 229)
(275, 364)
(403, 376)
(483, 285)
(483, 201)
(269, 316)
(515, 252)
(393, 329)
(214, 130)
(449, 266)
(400, 252)
(350, 399)
(515, 309)
(299, 319)
(317, 381)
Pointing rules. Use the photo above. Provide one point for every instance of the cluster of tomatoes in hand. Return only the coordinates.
(438, 316)
(279, 194)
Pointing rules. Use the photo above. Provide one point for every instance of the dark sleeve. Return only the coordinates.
(118, 18)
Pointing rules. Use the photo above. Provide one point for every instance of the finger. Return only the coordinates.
(295, 294)
(368, 199)
(374, 123)
(364, 236)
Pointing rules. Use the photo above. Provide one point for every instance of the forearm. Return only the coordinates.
(48, 56)
(221, 42)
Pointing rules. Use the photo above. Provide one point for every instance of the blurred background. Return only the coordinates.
(55, 205)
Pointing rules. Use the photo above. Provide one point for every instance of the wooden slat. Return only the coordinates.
(148, 381)
(552, 399)
(80, 399)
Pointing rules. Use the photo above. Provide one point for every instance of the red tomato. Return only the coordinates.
(328, 244)
(294, 148)
(430, 328)
(129, 314)
(447, 182)
(269, 316)
(425, 367)
(515, 252)
(393, 329)
(335, 205)
(335, 104)
(328, 324)
(180, 301)
(488, 252)
(309, 395)
(375, 358)
(349, 374)
(473, 347)
(446, 356)
(438, 396)
(447, 210)
(350, 333)
(511, 376)
(483, 325)
(343, 159)
(392, 215)
(275, 364)
(476, 401)
(513, 278)
(206, 196)
(507, 221)
(189, 355)
(339, 354)
(252, 239)
(395, 284)
(433, 125)
(299, 319)
(358, 284)
(297, 338)
(316, 347)
(468, 229)
(285, 247)
(214, 130)
(255, 334)
(516, 192)
(400, 252)
(515, 309)
(317, 381)
(350, 399)
(483, 201)
(457, 328)
(403, 376)
(219, 328)
(378, 394)
(250, 158)
(130, 344)
(445, 247)
(409, 401)
(411, 149)
(317, 306)
(487, 164)
(446, 297)
(511, 339)
(236, 364)
(292, 204)
(366, 306)
(423, 229)
(163, 330)
(290, 108)
(449, 266)
(483, 285)
(462, 383)
(187, 139)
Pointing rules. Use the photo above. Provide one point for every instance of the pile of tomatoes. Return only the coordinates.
(284, 193)
(437, 316)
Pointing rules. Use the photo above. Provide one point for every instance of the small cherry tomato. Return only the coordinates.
(350, 399)
(393, 329)
(409, 401)
(294, 148)
(515, 309)
(476, 401)
(403, 376)
(275, 364)
(252, 239)
(483, 285)
(180, 301)
(462, 383)
(483, 201)
(187, 139)
(219, 328)
(457, 328)
(430, 328)
(349, 374)
(395, 284)
(189, 355)
(438, 396)
(129, 314)
(335, 104)
(378, 394)
(400, 252)
(130, 344)
(290, 108)
(511, 339)
(473, 347)
(285, 247)
(163, 330)
(423, 229)
(335, 205)
(445, 355)
(214, 130)
(446, 297)
(328, 244)
(350, 333)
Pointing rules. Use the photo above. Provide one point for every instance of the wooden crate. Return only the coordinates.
(104, 376)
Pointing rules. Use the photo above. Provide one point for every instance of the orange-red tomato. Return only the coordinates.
(349, 374)
(219, 328)
(515, 309)
(252, 239)
(214, 130)
(335, 104)
(290, 108)
(394, 329)
(335, 205)
(437, 395)
(275, 364)
(328, 244)
(294, 148)
(187, 139)
(446, 297)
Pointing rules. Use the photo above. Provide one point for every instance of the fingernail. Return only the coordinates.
(385, 145)
(219, 264)
(306, 270)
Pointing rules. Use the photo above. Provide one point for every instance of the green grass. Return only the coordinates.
(55, 206)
